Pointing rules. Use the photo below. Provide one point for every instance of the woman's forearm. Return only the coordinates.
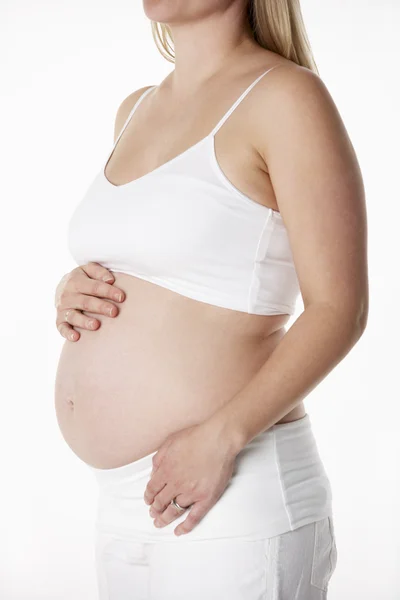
(316, 342)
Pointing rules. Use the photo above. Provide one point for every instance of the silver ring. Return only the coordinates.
(174, 502)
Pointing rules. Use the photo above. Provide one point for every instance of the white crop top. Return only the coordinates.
(184, 226)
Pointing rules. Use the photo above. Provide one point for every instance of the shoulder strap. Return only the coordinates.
(138, 101)
(238, 101)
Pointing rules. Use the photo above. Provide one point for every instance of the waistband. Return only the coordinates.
(278, 484)
(139, 468)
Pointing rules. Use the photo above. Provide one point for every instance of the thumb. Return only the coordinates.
(160, 453)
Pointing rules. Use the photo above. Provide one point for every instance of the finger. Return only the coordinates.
(97, 271)
(154, 487)
(163, 498)
(77, 283)
(171, 513)
(100, 289)
(68, 332)
(159, 454)
(77, 319)
(92, 305)
(196, 513)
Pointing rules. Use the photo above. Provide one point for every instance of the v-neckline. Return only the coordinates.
(156, 169)
(207, 137)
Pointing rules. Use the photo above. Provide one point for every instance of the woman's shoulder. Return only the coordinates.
(125, 108)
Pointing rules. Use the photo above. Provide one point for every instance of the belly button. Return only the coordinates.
(69, 401)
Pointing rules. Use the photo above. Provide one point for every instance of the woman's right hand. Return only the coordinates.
(81, 289)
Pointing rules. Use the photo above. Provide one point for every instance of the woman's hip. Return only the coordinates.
(279, 484)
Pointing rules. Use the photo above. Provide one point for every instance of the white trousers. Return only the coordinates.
(295, 565)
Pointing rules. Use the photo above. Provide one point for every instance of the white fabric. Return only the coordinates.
(279, 485)
(184, 226)
(296, 565)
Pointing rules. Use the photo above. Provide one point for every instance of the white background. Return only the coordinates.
(66, 66)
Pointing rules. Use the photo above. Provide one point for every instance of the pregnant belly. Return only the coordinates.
(164, 363)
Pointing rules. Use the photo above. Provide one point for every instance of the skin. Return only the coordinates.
(294, 156)
(83, 289)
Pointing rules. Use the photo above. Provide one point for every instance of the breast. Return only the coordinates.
(185, 231)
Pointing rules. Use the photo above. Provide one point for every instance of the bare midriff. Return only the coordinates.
(165, 362)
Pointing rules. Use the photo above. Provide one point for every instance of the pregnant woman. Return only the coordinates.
(231, 188)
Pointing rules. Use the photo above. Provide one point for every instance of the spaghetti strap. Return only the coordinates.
(138, 101)
(238, 101)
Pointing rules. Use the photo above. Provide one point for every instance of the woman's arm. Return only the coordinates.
(320, 194)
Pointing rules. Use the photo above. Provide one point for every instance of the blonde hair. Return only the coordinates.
(277, 25)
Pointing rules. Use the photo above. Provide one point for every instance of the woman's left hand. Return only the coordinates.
(194, 466)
